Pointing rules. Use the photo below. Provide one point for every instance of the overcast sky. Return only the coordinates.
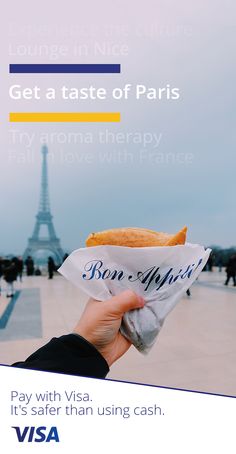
(94, 186)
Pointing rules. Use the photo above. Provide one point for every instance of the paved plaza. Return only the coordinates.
(196, 348)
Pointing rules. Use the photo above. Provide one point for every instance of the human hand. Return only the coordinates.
(100, 324)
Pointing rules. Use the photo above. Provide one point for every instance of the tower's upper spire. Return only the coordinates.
(44, 149)
(44, 206)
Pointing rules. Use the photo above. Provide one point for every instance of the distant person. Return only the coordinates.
(231, 270)
(51, 267)
(220, 264)
(1, 272)
(20, 268)
(29, 263)
(16, 261)
(10, 275)
(210, 263)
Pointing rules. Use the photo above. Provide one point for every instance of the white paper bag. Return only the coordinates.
(161, 275)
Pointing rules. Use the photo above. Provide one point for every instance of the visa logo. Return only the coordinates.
(36, 434)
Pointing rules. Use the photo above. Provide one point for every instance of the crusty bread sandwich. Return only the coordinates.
(135, 237)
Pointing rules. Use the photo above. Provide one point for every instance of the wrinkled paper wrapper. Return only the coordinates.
(161, 275)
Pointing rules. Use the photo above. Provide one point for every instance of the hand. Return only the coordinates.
(101, 320)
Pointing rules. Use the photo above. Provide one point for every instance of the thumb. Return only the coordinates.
(125, 301)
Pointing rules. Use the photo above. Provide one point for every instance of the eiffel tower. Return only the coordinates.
(50, 244)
